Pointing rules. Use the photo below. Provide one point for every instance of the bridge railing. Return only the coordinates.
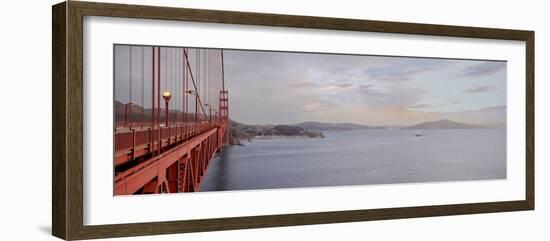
(133, 143)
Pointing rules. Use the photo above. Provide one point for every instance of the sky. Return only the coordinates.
(287, 87)
(172, 75)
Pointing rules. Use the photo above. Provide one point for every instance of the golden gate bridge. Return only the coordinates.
(168, 147)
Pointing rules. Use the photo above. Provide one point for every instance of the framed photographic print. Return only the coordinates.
(165, 117)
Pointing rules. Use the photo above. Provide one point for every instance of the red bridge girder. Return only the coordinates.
(179, 169)
(169, 153)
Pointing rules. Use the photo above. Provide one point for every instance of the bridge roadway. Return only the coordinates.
(176, 163)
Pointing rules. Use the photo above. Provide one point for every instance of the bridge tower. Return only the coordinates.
(224, 114)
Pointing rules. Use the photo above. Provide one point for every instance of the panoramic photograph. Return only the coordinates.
(197, 120)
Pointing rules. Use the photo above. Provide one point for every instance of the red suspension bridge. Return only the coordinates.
(174, 119)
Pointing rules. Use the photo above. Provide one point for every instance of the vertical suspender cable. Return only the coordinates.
(168, 75)
(142, 82)
(130, 80)
(127, 106)
(204, 61)
(185, 99)
(178, 80)
(152, 99)
(175, 82)
(169, 78)
(207, 76)
(158, 100)
(172, 53)
(197, 64)
(204, 77)
(183, 88)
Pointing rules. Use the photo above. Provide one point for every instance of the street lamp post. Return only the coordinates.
(167, 95)
(209, 112)
(192, 92)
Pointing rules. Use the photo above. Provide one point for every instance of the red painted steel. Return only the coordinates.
(152, 97)
(142, 83)
(171, 155)
(158, 103)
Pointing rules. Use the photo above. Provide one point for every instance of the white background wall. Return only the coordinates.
(25, 171)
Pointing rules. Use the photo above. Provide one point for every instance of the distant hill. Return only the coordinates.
(137, 113)
(320, 126)
(240, 131)
(444, 124)
(496, 125)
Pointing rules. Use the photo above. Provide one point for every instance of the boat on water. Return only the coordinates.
(418, 133)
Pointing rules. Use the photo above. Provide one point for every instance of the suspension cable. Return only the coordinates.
(192, 78)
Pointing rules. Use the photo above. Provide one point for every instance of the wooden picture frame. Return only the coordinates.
(67, 123)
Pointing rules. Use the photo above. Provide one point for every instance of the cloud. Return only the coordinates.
(398, 96)
(484, 68)
(344, 86)
(365, 86)
(279, 87)
(419, 106)
(405, 69)
(317, 105)
(301, 84)
(481, 88)
(316, 110)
